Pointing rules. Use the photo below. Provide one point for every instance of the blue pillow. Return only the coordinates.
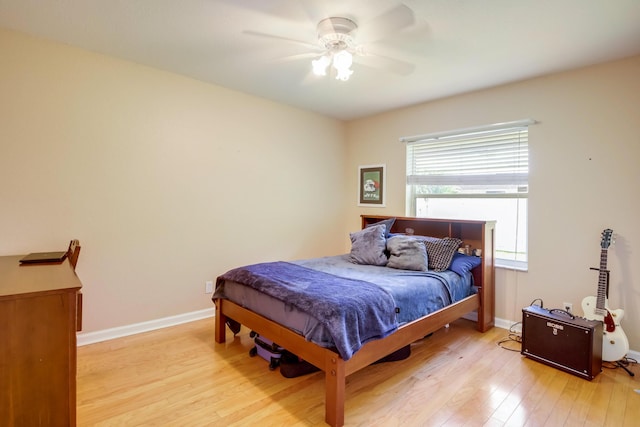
(462, 263)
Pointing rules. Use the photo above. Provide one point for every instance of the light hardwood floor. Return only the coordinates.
(179, 376)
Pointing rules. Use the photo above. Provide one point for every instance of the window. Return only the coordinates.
(479, 173)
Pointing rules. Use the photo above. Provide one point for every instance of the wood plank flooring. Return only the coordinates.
(179, 376)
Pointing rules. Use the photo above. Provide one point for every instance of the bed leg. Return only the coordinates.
(335, 380)
(221, 322)
(486, 318)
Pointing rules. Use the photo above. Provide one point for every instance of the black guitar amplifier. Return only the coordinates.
(553, 337)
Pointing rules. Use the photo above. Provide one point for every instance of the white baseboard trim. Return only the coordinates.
(499, 323)
(85, 338)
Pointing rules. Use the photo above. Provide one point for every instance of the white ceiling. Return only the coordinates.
(456, 45)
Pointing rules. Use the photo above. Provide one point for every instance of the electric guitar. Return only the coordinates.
(615, 345)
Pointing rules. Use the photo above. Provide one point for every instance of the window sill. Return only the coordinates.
(512, 265)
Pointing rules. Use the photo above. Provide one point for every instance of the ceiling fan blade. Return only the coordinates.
(289, 58)
(281, 38)
(386, 63)
(391, 21)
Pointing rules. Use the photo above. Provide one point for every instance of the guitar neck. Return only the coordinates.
(602, 283)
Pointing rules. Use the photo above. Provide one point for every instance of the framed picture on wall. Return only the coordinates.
(371, 185)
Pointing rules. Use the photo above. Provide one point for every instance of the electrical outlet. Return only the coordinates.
(568, 306)
(208, 287)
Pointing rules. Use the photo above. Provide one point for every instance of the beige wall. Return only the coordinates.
(584, 177)
(166, 181)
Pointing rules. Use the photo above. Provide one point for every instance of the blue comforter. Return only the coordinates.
(416, 293)
(355, 303)
(352, 310)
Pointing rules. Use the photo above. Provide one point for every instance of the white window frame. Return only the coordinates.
(474, 169)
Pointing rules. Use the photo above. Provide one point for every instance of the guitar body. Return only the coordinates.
(615, 344)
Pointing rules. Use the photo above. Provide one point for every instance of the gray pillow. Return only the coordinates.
(368, 245)
(407, 253)
(388, 223)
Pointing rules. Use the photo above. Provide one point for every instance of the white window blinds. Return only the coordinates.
(479, 157)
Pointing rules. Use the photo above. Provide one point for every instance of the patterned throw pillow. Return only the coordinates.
(440, 252)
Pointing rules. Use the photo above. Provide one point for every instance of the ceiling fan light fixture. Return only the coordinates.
(335, 34)
(342, 61)
(320, 65)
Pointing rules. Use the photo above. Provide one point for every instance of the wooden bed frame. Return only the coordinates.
(476, 234)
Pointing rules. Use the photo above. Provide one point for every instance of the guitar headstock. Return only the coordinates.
(607, 234)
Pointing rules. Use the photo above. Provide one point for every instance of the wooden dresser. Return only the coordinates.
(38, 312)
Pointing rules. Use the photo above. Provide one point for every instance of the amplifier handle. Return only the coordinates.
(559, 310)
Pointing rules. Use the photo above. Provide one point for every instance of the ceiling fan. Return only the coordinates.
(341, 42)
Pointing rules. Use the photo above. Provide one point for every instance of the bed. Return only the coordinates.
(250, 304)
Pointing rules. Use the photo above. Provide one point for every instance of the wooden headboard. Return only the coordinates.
(476, 234)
